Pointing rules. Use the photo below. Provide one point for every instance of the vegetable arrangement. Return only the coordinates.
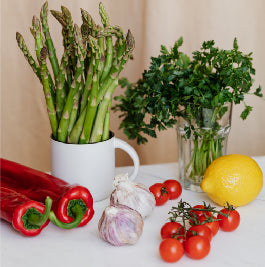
(195, 241)
(195, 90)
(72, 204)
(79, 93)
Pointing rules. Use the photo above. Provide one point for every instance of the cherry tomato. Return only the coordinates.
(213, 225)
(171, 250)
(171, 228)
(160, 193)
(198, 212)
(197, 247)
(231, 223)
(174, 188)
(201, 230)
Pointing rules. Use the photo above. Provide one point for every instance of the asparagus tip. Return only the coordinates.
(130, 43)
(35, 20)
(66, 12)
(18, 36)
(44, 12)
(103, 15)
(45, 6)
(59, 16)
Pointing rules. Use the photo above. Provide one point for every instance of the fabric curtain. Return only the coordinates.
(25, 129)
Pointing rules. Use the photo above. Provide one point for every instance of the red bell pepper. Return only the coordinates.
(27, 216)
(72, 204)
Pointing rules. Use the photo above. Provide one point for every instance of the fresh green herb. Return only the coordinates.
(196, 90)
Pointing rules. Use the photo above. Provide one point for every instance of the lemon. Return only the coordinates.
(236, 179)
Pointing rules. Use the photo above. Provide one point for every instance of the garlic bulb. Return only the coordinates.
(120, 225)
(133, 195)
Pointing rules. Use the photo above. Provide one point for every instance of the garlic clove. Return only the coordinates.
(133, 195)
(120, 225)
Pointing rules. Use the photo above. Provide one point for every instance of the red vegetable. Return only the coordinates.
(174, 188)
(201, 230)
(197, 247)
(27, 216)
(171, 228)
(210, 222)
(160, 193)
(230, 223)
(73, 204)
(171, 250)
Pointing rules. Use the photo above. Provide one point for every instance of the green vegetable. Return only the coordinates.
(80, 93)
(176, 86)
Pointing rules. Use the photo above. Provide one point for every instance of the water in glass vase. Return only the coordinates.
(206, 142)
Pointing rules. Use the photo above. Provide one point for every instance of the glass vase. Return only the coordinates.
(200, 142)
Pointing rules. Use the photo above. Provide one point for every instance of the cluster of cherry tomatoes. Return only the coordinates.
(170, 189)
(203, 225)
(195, 241)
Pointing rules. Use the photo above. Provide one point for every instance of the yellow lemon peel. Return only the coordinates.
(235, 178)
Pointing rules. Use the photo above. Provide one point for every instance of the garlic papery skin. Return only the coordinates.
(133, 195)
(120, 225)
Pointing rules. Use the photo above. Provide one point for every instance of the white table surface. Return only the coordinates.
(83, 247)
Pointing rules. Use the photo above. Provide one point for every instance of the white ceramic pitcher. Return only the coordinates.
(90, 165)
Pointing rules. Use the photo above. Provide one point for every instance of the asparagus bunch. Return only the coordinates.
(79, 91)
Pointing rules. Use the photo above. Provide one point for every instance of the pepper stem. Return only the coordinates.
(33, 219)
(78, 216)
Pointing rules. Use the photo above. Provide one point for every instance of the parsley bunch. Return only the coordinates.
(176, 86)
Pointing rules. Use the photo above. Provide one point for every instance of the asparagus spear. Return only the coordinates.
(66, 21)
(60, 85)
(102, 109)
(48, 40)
(36, 27)
(67, 49)
(86, 91)
(70, 34)
(119, 47)
(36, 31)
(92, 101)
(78, 127)
(22, 45)
(105, 135)
(61, 18)
(47, 91)
(103, 14)
(74, 112)
(88, 22)
(109, 45)
(64, 122)
(91, 29)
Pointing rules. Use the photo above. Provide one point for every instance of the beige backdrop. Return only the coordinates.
(25, 128)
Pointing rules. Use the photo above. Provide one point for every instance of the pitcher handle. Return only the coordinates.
(132, 153)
